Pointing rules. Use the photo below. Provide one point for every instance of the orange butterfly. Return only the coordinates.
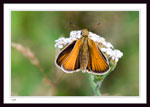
(83, 54)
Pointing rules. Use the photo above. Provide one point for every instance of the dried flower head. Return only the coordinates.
(28, 53)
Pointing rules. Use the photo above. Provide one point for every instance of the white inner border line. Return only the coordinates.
(74, 7)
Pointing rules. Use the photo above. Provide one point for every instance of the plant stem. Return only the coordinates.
(93, 85)
(96, 81)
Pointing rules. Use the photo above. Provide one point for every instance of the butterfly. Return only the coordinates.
(83, 54)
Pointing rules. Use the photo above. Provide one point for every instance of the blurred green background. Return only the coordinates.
(38, 30)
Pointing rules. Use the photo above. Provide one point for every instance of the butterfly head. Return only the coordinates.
(85, 32)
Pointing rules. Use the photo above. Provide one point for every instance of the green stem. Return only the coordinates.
(96, 81)
(93, 85)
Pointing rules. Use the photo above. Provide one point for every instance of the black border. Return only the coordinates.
(71, 1)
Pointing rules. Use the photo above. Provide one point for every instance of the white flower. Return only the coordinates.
(115, 59)
(62, 41)
(108, 51)
(107, 44)
(94, 39)
(100, 40)
(75, 34)
(104, 49)
(116, 54)
(113, 54)
(68, 40)
(60, 46)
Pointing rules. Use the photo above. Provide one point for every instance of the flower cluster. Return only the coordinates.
(61, 42)
(105, 46)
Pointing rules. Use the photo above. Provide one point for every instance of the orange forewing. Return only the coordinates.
(64, 54)
(72, 61)
(97, 61)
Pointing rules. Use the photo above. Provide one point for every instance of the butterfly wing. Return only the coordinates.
(72, 61)
(64, 54)
(97, 61)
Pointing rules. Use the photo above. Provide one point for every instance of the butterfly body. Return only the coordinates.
(83, 54)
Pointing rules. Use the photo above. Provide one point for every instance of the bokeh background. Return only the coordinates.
(38, 31)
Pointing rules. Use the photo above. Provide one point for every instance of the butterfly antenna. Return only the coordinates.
(70, 23)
